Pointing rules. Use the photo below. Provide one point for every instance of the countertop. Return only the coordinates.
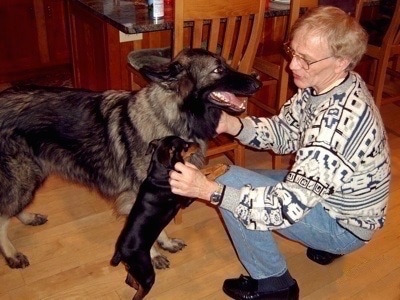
(130, 17)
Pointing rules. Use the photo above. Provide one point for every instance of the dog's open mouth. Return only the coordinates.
(228, 100)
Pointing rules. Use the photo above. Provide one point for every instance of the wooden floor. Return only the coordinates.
(70, 254)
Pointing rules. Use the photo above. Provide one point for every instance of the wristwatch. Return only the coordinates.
(217, 196)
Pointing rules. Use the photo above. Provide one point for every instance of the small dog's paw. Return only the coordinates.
(173, 245)
(255, 75)
(19, 261)
(160, 262)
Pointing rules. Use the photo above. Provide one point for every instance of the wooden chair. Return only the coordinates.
(358, 10)
(274, 66)
(231, 28)
(384, 77)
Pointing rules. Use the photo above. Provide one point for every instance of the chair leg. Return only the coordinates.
(372, 74)
(396, 63)
(380, 80)
(277, 162)
(240, 156)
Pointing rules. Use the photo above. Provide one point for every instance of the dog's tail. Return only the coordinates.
(116, 259)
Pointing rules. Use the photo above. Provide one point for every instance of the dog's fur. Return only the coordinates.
(100, 139)
(154, 208)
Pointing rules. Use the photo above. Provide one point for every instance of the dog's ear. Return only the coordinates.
(153, 146)
(164, 156)
(162, 73)
(173, 77)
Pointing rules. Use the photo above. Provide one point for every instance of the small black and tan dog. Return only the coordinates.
(154, 208)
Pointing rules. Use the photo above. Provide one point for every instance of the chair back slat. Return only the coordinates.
(392, 36)
(231, 28)
(214, 35)
(228, 39)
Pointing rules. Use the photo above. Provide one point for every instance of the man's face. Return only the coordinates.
(313, 64)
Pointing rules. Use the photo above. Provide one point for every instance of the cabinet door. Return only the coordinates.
(19, 47)
(57, 32)
(95, 50)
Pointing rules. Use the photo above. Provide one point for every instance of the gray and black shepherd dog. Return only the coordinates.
(99, 139)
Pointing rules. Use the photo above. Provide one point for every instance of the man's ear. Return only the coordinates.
(342, 64)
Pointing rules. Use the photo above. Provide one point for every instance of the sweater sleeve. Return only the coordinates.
(278, 133)
(267, 208)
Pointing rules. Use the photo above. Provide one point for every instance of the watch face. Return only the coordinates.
(215, 198)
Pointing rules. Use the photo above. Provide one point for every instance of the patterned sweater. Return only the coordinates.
(342, 161)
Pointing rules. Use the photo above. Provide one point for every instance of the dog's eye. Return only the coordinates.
(218, 70)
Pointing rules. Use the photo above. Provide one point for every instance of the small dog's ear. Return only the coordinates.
(164, 156)
(152, 146)
(173, 157)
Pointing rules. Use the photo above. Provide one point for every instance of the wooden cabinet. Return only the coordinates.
(99, 58)
(33, 37)
(95, 51)
(19, 45)
(57, 32)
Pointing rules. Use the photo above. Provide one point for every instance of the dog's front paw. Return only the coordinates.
(19, 261)
(38, 219)
(31, 218)
(160, 262)
(172, 245)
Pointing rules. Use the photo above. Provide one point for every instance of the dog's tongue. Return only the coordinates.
(228, 99)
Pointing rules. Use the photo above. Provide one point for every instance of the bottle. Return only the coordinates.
(158, 9)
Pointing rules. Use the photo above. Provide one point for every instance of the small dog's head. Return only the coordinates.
(169, 150)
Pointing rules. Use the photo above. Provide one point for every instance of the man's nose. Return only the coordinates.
(294, 64)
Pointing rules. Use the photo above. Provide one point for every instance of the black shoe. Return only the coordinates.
(321, 257)
(246, 288)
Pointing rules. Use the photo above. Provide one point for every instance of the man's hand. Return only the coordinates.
(187, 180)
(228, 124)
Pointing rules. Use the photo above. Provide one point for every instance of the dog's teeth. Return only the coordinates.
(220, 96)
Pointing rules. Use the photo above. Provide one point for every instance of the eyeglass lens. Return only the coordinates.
(292, 54)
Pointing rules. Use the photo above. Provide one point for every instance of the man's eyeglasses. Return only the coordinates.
(304, 63)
